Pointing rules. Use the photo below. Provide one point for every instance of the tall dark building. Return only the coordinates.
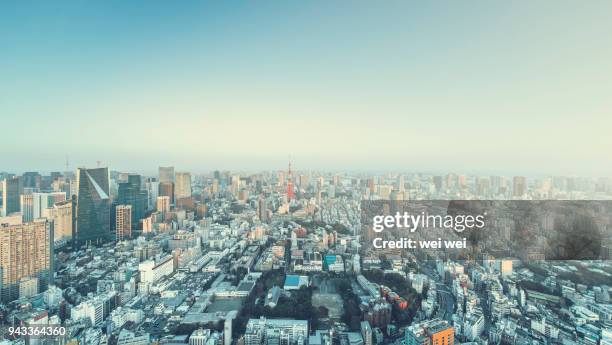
(10, 196)
(167, 189)
(130, 193)
(31, 179)
(93, 216)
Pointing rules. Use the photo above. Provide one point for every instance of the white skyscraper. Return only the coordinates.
(182, 187)
(42, 201)
(27, 207)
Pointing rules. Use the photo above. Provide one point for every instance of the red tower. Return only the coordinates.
(290, 191)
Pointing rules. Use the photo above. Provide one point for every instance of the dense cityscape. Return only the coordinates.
(107, 257)
(305, 172)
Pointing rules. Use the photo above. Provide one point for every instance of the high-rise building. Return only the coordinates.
(152, 188)
(63, 220)
(167, 189)
(42, 201)
(27, 207)
(519, 186)
(166, 174)
(93, 206)
(182, 185)
(10, 196)
(25, 251)
(123, 227)
(130, 193)
(262, 209)
(163, 204)
(31, 179)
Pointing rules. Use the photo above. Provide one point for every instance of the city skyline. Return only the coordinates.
(107, 257)
(305, 173)
(517, 87)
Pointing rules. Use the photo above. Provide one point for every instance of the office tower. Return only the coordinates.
(163, 204)
(62, 185)
(152, 188)
(123, 214)
(31, 179)
(167, 189)
(166, 174)
(63, 219)
(519, 186)
(10, 196)
(27, 207)
(46, 181)
(262, 209)
(42, 201)
(130, 193)
(366, 333)
(93, 206)
(54, 175)
(434, 332)
(182, 185)
(25, 251)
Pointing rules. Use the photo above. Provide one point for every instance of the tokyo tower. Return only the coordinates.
(290, 191)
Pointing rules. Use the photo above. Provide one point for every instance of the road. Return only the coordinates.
(446, 302)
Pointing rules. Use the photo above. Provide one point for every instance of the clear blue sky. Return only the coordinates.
(521, 86)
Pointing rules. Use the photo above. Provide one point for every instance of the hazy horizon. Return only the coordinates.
(517, 87)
